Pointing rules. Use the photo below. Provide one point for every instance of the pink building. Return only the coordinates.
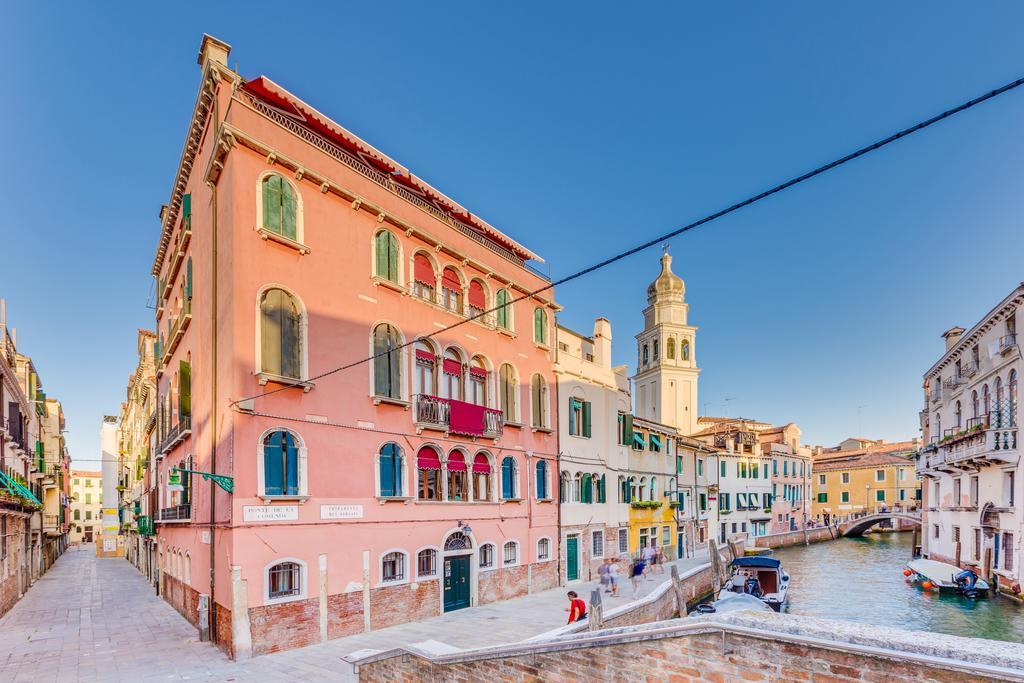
(390, 490)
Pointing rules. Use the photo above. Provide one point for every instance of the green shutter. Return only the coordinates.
(288, 211)
(186, 205)
(381, 247)
(184, 390)
(188, 278)
(272, 203)
(627, 429)
(586, 418)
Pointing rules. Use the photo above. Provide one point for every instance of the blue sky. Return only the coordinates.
(577, 129)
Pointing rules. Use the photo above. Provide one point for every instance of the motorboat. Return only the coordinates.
(729, 601)
(946, 577)
(761, 577)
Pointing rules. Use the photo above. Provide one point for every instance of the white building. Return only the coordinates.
(86, 506)
(110, 532)
(593, 397)
(970, 464)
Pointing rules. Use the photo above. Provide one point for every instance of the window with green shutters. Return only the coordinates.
(844, 497)
(504, 317)
(280, 334)
(587, 489)
(188, 278)
(722, 462)
(880, 496)
(822, 497)
(391, 471)
(279, 207)
(184, 390)
(625, 429)
(586, 419)
(540, 326)
(601, 491)
(575, 416)
(386, 248)
(387, 376)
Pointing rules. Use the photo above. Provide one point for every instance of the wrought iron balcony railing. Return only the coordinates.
(1007, 342)
(458, 417)
(176, 513)
(176, 434)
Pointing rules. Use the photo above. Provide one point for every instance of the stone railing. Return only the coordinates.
(788, 538)
(717, 647)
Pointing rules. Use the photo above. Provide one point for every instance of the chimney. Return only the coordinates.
(952, 336)
(213, 50)
(603, 342)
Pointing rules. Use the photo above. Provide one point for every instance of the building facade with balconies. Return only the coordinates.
(86, 506)
(970, 462)
(361, 493)
(593, 402)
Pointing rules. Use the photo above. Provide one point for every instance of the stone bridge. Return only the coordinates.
(857, 527)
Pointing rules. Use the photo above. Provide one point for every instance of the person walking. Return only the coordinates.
(602, 572)
(613, 577)
(636, 575)
(650, 557)
(577, 608)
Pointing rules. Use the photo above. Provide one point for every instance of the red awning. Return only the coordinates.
(452, 367)
(424, 272)
(424, 356)
(456, 463)
(427, 459)
(478, 372)
(450, 280)
(480, 464)
(476, 295)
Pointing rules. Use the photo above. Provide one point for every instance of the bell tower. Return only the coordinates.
(665, 383)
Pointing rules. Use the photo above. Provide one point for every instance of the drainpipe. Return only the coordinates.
(213, 392)
(558, 463)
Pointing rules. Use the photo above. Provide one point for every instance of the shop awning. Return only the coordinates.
(656, 441)
(427, 459)
(639, 441)
(456, 462)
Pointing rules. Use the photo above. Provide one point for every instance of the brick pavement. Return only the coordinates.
(90, 619)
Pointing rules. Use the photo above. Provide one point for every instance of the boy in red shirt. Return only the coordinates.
(577, 608)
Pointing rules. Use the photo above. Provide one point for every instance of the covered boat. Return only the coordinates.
(761, 577)
(729, 601)
(947, 577)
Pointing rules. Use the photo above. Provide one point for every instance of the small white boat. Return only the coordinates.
(762, 577)
(729, 601)
(947, 577)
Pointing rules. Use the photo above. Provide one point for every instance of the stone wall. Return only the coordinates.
(821, 533)
(12, 574)
(182, 597)
(717, 648)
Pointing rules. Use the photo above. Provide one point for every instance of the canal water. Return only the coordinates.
(861, 579)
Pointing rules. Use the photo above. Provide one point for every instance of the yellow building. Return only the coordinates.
(86, 503)
(865, 480)
(653, 488)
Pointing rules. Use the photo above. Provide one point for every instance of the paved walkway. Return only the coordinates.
(90, 619)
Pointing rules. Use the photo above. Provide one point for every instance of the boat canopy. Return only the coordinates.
(757, 561)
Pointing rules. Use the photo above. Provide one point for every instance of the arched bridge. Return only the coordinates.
(857, 527)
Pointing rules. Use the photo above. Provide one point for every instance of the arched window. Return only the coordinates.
(509, 393)
(577, 488)
(478, 381)
(477, 298)
(487, 556)
(587, 488)
(280, 464)
(387, 374)
(623, 489)
(392, 567)
(542, 480)
(540, 326)
(280, 334)
(457, 476)
(642, 489)
(509, 487)
(284, 580)
(279, 207)
(426, 563)
(602, 493)
(634, 490)
(510, 553)
(646, 355)
(451, 290)
(424, 279)
(426, 369)
(428, 468)
(684, 353)
(391, 462)
(457, 541)
(504, 317)
(481, 477)
(1011, 400)
(563, 487)
(655, 350)
(188, 569)
(986, 402)
(957, 415)
(654, 489)
(451, 375)
(544, 549)
(385, 247)
(998, 408)
(670, 349)
(974, 403)
(78, 515)
(539, 396)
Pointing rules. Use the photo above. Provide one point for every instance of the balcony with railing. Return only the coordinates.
(176, 513)
(176, 434)
(935, 395)
(1007, 342)
(51, 523)
(144, 525)
(954, 383)
(970, 369)
(177, 330)
(457, 417)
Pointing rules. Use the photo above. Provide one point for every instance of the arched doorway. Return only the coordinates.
(458, 581)
(990, 538)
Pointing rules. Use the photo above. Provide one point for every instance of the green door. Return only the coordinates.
(572, 558)
(456, 582)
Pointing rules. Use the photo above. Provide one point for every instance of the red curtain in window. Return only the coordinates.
(424, 272)
(427, 459)
(450, 280)
(456, 462)
(480, 464)
(476, 295)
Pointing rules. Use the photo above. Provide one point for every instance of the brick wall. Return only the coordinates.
(715, 655)
(789, 538)
(501, 584)
(181, 597)
(344, 614)
(398, 604)
(222, 616)
(284, 625)
(11, 574)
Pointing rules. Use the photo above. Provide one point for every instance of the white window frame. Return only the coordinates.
(403, 366)
(300, 227)
(504, 560)
(623, 540)
(380, 568)
(303, 580)
(596, 549)
(438, 562)
(373, 259)
(551, 545)
(264, 377)
(303, 463)
(495, 558)
(404, 468)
